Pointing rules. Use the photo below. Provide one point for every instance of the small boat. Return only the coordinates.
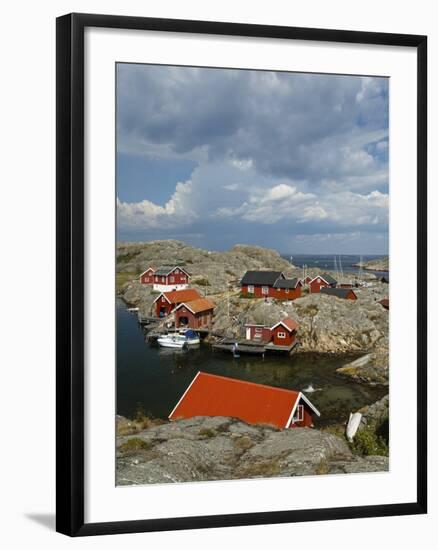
(132, 309)
(179, 340)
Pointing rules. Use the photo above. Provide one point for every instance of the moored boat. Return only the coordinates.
(179, 340)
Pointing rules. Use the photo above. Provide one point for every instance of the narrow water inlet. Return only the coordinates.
(153, 379)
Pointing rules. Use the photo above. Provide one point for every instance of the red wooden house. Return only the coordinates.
(320, 281)
(270, 284)
(259, 283)
(212, 395)
(384, 302)
(170, 278)
(258, 333)
(286, 289)
(194, 314)
(284, 333)
(166, 302)
(344, 293)
(147, 277)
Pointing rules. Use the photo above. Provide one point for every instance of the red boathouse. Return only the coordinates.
(212, 395)
(194, 314)
(284, 333)
(166, 302)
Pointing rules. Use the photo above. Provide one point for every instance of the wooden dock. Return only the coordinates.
(250, 347)
(274, 347)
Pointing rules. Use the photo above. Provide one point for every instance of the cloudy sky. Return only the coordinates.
(214, 157)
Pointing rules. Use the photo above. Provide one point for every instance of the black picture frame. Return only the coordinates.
(70, 272)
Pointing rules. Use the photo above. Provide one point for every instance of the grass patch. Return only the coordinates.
(134, 444)
(126, 258)
(263, 469)
(127, 428)
(247, 296)
(207, 432)
(123, 277)
(243, 443)
(322, 468)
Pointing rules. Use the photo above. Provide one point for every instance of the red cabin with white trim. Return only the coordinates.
(147, 277)
(168, 278)
(320, 281)
(284, 333)
(212, 395)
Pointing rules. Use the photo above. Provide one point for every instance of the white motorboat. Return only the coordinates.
(180, 341)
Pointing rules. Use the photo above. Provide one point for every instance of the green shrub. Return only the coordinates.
(203, 281)
(367, 442)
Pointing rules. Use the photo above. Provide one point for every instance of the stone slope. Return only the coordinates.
(220, 448)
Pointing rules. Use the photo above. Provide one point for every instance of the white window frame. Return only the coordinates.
(287, 291)
(299, 414)
(281, 335)
(176, 271)
(250, 289)
(265, 290)
(172, 279)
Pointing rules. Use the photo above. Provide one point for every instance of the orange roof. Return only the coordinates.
(212, 395)
(196, 306)
(179, 296)
(288, 322)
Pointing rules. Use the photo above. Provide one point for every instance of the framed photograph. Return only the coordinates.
(241, 274)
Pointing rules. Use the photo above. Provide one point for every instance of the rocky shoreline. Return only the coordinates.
(378, 264)
(327, 325)
(209, 448)
(222, 448)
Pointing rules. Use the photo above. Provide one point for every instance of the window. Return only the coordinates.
(281, 335)
(176, 270)
(251, 289)
(287, 291)
(265, 290)
(318, 280)
(172, 279)
(299, 414)
(163, 299)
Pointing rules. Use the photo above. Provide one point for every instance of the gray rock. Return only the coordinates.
(215, 448)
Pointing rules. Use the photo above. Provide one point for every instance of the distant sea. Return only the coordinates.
(328, 261)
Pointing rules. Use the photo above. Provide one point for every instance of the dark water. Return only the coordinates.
(328, 261)
(154, 379)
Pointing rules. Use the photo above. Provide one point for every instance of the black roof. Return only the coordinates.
(261, 277)
(327, 277)
(286, 283)
(166, 269)
(338, 292)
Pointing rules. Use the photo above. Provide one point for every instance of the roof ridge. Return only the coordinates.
(248, 382)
